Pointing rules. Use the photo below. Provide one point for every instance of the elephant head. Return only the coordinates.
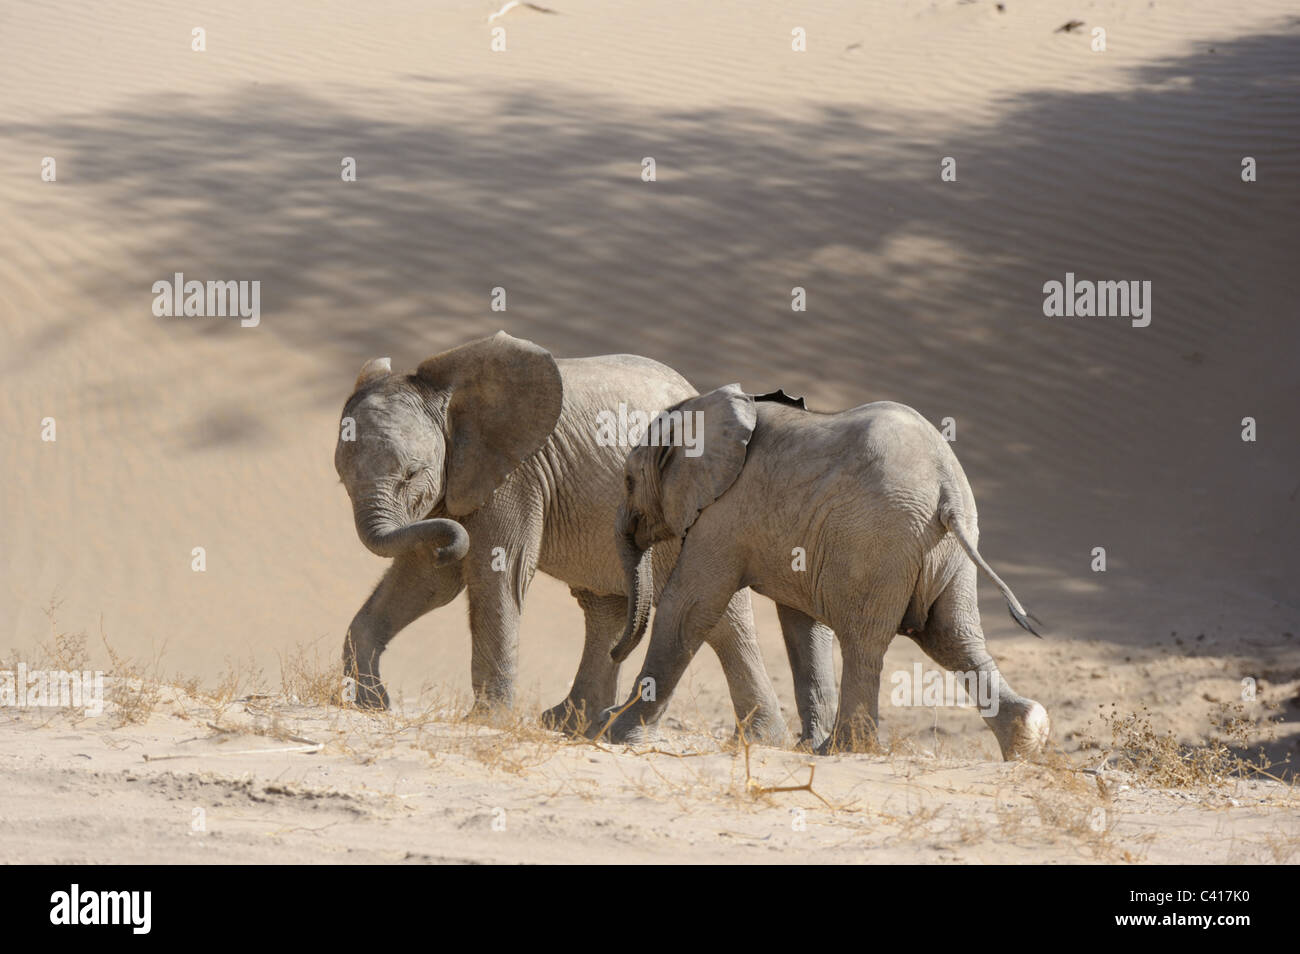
(689, 456)
(418, 450)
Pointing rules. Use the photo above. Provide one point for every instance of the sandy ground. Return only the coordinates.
(290, 783)
(521, 169)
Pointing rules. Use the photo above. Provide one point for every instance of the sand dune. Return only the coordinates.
(775, 169)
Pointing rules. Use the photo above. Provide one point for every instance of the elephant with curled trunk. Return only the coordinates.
(487, 464)
(875, 502)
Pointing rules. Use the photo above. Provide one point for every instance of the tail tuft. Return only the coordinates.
(1026, 621)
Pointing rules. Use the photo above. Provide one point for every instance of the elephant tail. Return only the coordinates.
(952, 519)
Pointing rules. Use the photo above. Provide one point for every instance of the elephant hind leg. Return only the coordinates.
(953, 638)
(595, 686)
(809, 645)
(863, 648)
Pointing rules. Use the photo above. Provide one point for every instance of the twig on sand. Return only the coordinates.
(599, 735)
(753, 786)
(675, 755)
(310, 748)
(757, 789)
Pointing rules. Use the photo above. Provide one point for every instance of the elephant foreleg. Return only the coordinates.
(809, 645)
(672, 647)
(685, 618)
(498, 572)
(410, 588)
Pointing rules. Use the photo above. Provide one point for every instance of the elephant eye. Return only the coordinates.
(413, 468)
(628, 482)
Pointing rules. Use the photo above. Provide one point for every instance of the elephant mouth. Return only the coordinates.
(638, 531)
(634, 530)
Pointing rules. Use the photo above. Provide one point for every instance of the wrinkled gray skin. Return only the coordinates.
(877, 500)
(493, 444)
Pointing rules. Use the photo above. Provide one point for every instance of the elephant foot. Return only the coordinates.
(841, 742)
(568, 718)
(810, 740)
(496, 713)
(1021, 729)
(370, 694)
(766, 732)
(622, 730)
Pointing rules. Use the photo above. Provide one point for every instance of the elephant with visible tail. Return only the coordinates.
(874, 498)
(485, 465)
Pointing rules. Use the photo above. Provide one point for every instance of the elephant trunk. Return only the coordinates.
(386, 536)
(640, 585)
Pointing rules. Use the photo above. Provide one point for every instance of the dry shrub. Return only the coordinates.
(1282, 847)
(66, 651)
(59, 649)
(307, 680)
(131, 690)
(1161, 760)
(234, 684)
(134, 688)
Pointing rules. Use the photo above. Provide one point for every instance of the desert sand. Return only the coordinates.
(522, 169)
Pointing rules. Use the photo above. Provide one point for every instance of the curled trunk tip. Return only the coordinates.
(386, 538)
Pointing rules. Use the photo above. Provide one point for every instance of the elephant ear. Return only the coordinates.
(722, 421)
(505, 400)
(372, 371)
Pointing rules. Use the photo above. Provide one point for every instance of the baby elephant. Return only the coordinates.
(862, 520)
